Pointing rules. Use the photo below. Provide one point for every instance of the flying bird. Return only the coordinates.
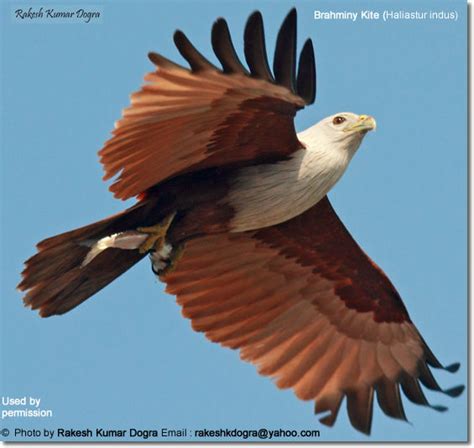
(232, 209)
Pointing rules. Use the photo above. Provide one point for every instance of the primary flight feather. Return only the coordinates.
(233, 212)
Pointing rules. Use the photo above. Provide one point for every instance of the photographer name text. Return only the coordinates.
(57, 14)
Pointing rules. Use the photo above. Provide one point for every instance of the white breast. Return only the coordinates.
(269, 194)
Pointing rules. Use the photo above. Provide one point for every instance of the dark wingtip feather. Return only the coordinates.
(413, 391)
(428, 380)
(329, 404)
(254, 47)
(224, 49)
(195, 59)
(360, 409)
(452, 368)
(306, 78)
(22, 285)
(455, 391)
(328, 420)
(284, 61)
(434, 362)
(389, 399)
(438, 407)
(161, 61)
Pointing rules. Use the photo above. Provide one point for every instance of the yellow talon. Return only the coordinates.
(156, 234)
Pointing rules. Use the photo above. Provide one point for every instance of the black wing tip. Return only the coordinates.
(328, 420)
(219, 24)
(434, 362)
(181, 41)
(223, 47)
(452, 368)
(255, 48)
(292, 15)
(220, 20)
(305, 82)
(255, 54)
(309, 48)
(306, 77)
(253, 20)
(438, 407)
(256, 15)
(284, 61)
(158, 60)
(455, 391)
(179, 37)
(363, 427)
(308, 42)
(194, 58)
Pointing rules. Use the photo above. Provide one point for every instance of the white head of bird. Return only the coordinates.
(343, 131)
(269, 194)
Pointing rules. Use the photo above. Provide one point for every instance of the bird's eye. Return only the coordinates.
(338, 120)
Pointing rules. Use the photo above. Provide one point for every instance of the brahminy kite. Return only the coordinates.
(232, 210)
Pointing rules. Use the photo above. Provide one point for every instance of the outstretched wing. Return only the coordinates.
(184, 120)
(309, 308)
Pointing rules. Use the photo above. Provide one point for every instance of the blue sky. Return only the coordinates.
(126, 358)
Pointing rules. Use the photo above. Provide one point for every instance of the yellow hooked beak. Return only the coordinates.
(364, 123)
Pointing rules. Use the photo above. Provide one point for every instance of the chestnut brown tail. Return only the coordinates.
(56, 280)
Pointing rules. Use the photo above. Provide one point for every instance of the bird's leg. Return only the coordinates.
(156, 235)
(166, 259)
(174, 257)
